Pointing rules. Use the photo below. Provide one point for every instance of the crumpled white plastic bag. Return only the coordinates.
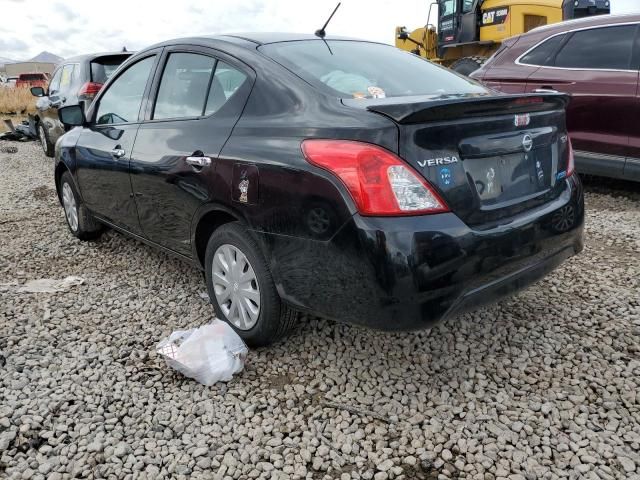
(208, 354)
(50, 285)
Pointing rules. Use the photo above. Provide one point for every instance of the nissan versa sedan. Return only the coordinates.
(344, 178)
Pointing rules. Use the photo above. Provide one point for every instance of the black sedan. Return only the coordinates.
(344, 178)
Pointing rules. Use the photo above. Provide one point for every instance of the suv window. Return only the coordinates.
(225, 83)
(67, 76)
(184, 85)
(54, 84)
(354, 69)
(103, 67)
(543, 53)
(598, 48)
(122, 100)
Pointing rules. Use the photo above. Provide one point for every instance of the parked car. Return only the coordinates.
(27, 80)
(75, 81)
(597, 61)
(345, 178)
(11, 82)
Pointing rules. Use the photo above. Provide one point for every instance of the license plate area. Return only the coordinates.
(504, 178)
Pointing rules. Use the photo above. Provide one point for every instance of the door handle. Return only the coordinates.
(118, 152)
(198, 161)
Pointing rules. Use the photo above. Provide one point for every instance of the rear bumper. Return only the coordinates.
(409, 273)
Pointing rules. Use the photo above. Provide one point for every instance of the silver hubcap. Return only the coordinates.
(70, 209)
(236, 287)
(43, 139)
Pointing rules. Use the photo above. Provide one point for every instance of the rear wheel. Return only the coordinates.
(468, 65)
(241, 287)
(43, 135)
(79, 220)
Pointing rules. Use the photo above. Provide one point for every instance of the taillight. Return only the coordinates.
(571, 162)
(378, 181)
(90, 89)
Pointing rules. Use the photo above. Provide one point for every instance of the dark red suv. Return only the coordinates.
(596, 60)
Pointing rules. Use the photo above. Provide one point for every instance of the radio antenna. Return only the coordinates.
(321, 33)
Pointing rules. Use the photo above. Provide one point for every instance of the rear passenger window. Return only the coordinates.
(543, 54)
(184, 86)
(194, 85)
(226, 81)
(606, 48)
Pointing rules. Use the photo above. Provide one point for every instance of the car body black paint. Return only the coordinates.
(389, 273)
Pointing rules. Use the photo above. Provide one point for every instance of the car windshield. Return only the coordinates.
(352, 69)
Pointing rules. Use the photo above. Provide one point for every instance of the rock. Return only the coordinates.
(384, 465)
(200, 452)
(628, 465)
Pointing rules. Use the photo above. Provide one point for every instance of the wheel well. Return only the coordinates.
(60, 169)
(207, 225)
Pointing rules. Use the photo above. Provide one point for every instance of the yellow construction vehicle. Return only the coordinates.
(470, 31)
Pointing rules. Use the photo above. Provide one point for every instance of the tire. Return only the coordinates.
(43, 135)
(82, 225)
(272, 319)
(468, 65)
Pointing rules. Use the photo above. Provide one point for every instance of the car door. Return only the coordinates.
(58, 98)
(594, 66)
(48, 115)
(198, 99)
(104, 147)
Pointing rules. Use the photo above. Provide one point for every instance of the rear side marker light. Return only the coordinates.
(571, 162)
(380, 183)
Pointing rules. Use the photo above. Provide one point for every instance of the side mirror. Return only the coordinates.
(72, 116)
(37, 91)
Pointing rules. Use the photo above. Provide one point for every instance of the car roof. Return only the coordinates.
(92, 56)
(262, 38)
(247, 41)
(586, 22)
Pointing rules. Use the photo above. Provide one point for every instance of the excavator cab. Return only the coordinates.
(470, 31)
(585, 8)
(457, 22)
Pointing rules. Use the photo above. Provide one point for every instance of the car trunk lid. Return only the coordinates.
(490, 157)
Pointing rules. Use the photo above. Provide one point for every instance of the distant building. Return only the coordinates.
(15, 69)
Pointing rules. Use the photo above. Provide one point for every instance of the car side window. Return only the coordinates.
(543, 53)
(123, 98)
(67, 77)
(607, 48)
(226, 81)
(54, 84)
(184, 85)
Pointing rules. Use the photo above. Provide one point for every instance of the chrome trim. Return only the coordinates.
(592, 27)
(598, 156)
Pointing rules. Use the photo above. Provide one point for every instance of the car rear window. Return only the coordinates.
(352, 69)
(103, 67)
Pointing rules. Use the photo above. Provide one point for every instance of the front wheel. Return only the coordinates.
(241, 287)
(46, 144)
(79, 220)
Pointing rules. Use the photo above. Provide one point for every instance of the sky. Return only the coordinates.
(73, 27)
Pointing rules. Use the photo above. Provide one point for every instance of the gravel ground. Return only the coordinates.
(545, 385)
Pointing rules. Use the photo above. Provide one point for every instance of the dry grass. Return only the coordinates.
(17, 101)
